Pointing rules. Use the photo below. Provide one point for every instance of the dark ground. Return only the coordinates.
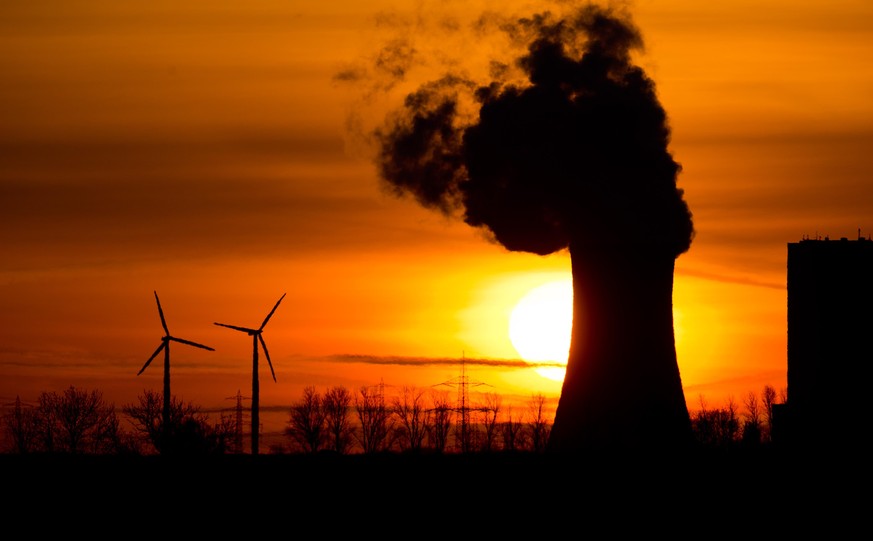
(511, 492)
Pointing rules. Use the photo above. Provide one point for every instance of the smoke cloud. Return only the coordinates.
(575, 151)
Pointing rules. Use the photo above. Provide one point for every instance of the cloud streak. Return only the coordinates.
(440, 361)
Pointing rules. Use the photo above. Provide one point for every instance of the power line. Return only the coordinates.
(464, 408)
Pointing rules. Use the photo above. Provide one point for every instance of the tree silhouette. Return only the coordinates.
(442, 415)
(59, 423)
(768, 398)
(491, 411)
(413, 417)
(77, 421)
(336, 404)
(374, 418)
(187, 430)
(22, 428)
(752, 425)
(717, 427)
(538, 424)
(511, 433)
(307, 422)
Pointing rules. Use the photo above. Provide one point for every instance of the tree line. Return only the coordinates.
(337, 420)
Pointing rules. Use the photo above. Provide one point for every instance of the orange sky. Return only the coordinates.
(203, 151)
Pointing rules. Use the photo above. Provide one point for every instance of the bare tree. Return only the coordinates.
(731, 421)
(474, 434)
(336, 404)
(76, 421)
(22, 428)
(753, 411)
(147, 416)
(768, 399)
(752, 425)
(490, 412)
(414, 418)
(511, 432)
(442, 410)
(225, 431)
(716, 427)
(703, 424)
(374, 418)
(188, 432)
(307, 423)
(539, 424)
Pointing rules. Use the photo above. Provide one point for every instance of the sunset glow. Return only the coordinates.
(222, 155)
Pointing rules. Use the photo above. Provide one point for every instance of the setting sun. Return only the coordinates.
(540, 323)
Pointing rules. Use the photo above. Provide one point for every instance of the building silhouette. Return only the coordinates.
(830, 343)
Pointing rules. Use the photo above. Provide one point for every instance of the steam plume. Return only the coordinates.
(572, 156)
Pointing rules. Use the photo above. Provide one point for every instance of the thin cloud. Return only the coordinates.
(741, 280)
(440, 361)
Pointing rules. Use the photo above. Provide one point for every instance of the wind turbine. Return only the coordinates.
(257, 336)
(165, 345)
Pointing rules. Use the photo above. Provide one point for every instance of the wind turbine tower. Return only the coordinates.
(257, 336)
(165, 346)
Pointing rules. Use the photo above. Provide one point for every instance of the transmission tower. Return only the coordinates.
(381, 400)
(238, 421)
(463, 409)
(379, 397)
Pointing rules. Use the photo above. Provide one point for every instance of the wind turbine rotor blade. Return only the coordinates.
(241, 329)
(267, 355)
(161, 312)
(190, 343)
(264, 324)
(155, 354)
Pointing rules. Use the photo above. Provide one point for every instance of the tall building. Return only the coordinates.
(830, 342)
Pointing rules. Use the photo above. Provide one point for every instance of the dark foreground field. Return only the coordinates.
(789, 489)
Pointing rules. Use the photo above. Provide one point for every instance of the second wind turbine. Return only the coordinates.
(257, 336)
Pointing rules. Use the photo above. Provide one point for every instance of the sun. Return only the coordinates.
(540, 325)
